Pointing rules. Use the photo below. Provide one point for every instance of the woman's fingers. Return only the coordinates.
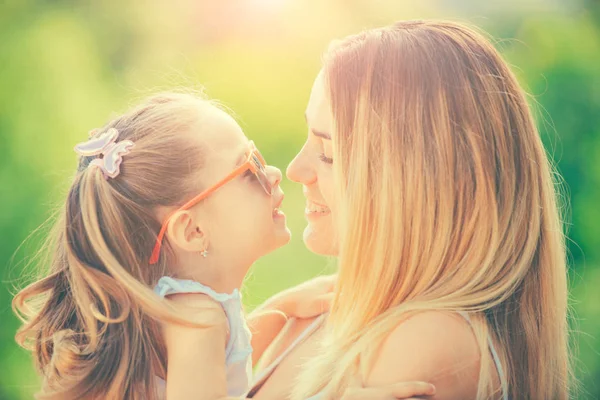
(314, 307)
(407, 389)
(329, 281)
(306, 300)
(320, 284)
(404, 390)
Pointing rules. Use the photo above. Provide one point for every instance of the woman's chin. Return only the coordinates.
(319, 241)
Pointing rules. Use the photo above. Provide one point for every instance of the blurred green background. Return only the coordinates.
(67, 66)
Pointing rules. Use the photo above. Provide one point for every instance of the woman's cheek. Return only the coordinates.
(326, 185)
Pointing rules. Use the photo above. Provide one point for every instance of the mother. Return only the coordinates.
(425, 175)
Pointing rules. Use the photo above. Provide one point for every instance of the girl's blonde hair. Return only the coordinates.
(448, 203)
(91, 321)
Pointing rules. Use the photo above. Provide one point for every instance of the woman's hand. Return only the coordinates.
(403, 390)
(307, 300)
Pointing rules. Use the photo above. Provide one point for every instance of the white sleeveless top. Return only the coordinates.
(239, 348)
(268, 371)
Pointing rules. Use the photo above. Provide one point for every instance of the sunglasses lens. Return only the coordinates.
(261, 174)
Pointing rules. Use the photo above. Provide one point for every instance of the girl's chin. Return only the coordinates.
(281, 237)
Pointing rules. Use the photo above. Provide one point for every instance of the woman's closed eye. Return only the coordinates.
(325, 159)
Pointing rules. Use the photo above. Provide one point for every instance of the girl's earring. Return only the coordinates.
(203, 253)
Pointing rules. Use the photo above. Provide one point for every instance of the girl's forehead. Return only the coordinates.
(223, 140)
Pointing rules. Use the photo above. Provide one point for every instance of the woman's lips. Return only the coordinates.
(315, 209)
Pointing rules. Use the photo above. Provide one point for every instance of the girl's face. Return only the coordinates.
(239, 222)
(312, 167)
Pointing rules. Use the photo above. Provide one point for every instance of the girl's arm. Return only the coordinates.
(306, 300)
(196, 356)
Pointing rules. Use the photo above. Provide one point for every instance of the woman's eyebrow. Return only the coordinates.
(320, 134)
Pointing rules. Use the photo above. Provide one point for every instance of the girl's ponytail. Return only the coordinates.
(93, 321)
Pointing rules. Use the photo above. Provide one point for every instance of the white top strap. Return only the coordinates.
(503, 382)
(268, 371)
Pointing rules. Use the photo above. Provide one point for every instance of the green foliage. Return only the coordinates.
(66, 67)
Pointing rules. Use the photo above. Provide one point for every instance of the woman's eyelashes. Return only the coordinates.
(325, 159)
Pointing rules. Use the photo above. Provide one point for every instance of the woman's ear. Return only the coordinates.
(185, 233)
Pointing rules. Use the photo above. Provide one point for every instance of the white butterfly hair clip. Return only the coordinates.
(108, 148)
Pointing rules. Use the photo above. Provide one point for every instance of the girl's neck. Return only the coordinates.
(223, 276)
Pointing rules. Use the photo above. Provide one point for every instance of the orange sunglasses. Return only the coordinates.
(254, 163)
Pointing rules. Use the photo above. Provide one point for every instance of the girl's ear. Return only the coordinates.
(185, 233)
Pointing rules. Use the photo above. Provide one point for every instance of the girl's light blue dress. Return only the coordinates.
(239, 348)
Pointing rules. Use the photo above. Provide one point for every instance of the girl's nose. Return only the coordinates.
(274, 175)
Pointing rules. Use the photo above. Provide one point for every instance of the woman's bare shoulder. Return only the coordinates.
(432, 346)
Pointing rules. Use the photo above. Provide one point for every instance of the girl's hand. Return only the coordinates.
(306, 300)
(403, 390)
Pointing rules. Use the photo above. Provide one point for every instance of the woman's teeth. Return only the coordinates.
(313, 208)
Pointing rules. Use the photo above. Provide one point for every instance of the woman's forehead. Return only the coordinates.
(318, 110)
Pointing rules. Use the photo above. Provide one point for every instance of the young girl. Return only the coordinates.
(96, 332)
(169, 200)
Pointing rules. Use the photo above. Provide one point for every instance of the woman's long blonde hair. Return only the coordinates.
(448, 203)
(91, 321)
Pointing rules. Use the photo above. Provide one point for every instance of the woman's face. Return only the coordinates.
(312, 167)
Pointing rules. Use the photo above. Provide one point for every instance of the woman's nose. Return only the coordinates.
(300, 170)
